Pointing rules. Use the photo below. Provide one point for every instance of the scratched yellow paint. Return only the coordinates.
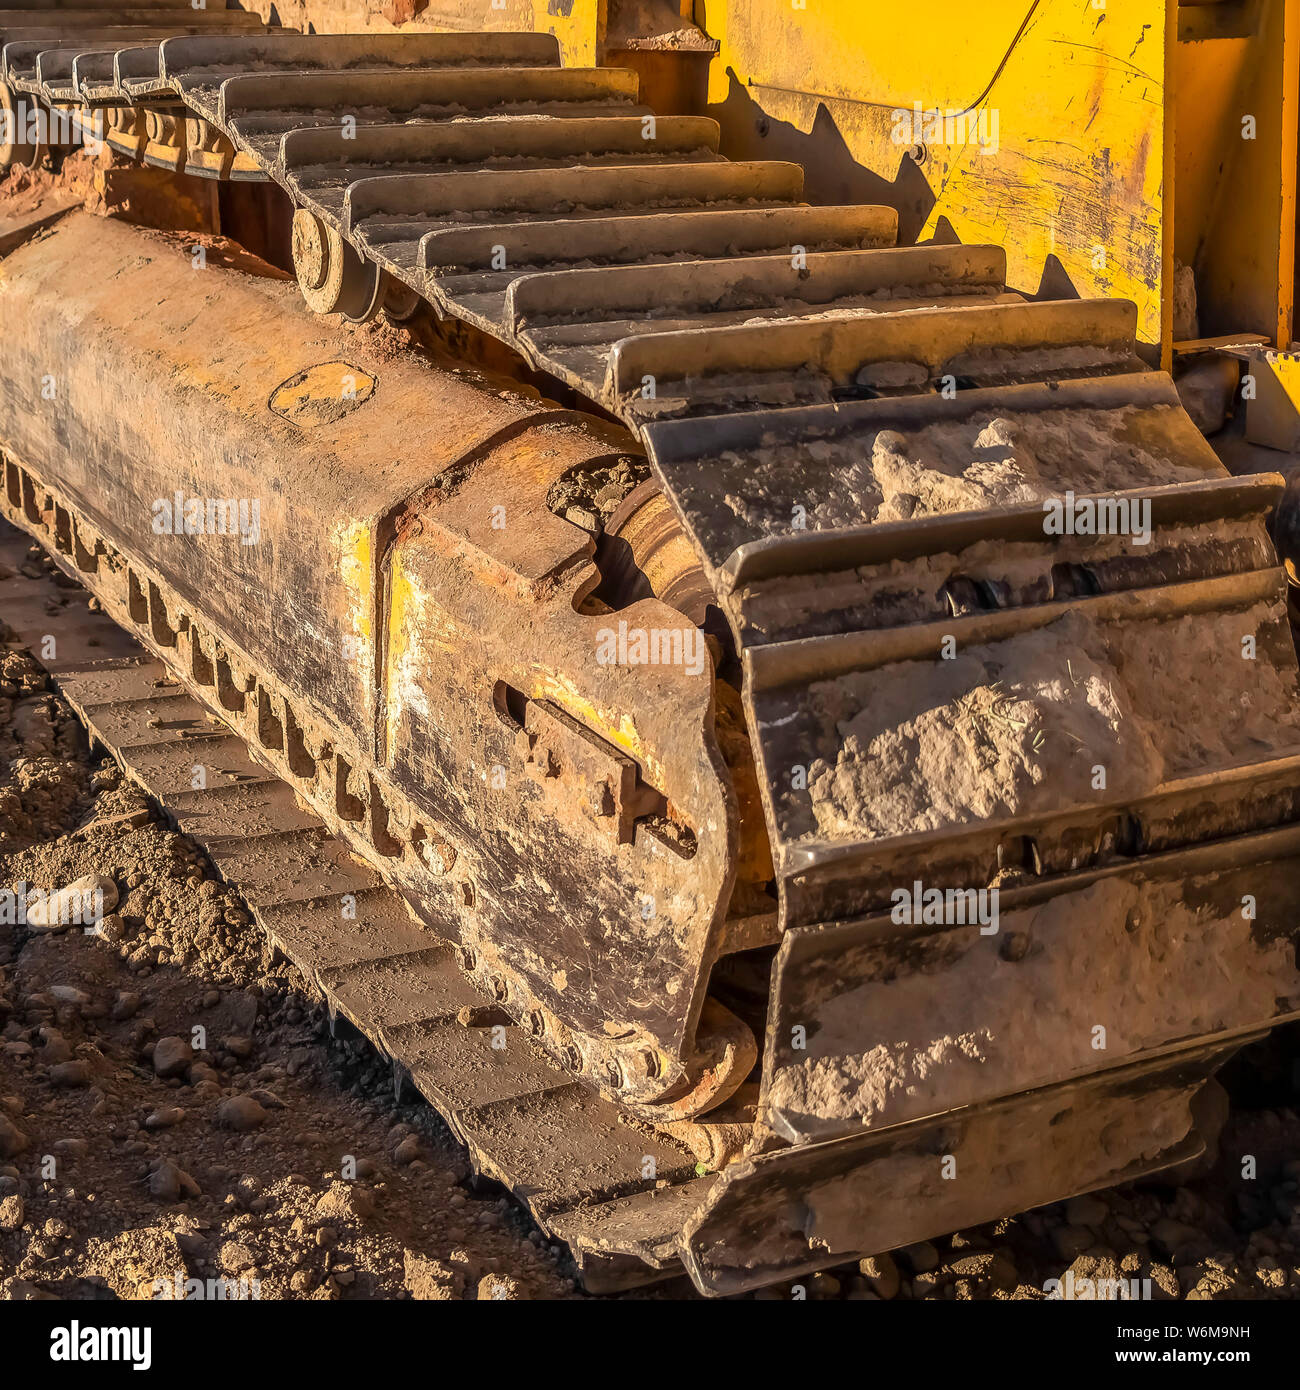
(405, 693)
(352, 546)
(556, 686)
(581, 31)
(1072, 185)
(419, 636)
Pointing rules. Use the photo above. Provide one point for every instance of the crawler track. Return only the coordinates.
(857, 440)
(567, 1154)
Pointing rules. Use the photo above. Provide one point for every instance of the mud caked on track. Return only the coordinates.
(273, 1161)
(909, 645)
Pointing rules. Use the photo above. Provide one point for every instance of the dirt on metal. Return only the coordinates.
(153, 1195)
(911, 704)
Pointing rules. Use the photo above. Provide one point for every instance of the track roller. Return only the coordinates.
(332, 277)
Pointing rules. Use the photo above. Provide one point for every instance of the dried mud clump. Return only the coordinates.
(176, 1119)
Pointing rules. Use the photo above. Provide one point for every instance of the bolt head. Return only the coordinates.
(310, 250)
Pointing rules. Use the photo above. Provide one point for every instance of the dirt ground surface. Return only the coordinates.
(174, 1108)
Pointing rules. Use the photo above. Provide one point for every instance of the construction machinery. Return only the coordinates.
(838, 708)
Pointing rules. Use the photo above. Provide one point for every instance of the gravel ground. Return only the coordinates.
(172, 1105)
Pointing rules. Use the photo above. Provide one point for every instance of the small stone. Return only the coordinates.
(240, 1113)
(126, 1005)
(1164, 1285)
(500, 1288)
(211, 999)
(69, 994)
(431, 1279)
(586, 519)
(881, 1274)
(922, 1256)
(988, 1265)
(345, 1202)
(236, 1257)
(113, 929)
(193, 1246)
(169, 1183)
(72, 1148)
(57, 1049)
(407, 1151)
(70, 1074)
(1086, 1211)
(1178, 1240)
(1072, 1241)
(165, 1117)
(326, 1237)
(172, 1057)
(302, 1281)
(12, 1213)
(238, 1046)
(165, 1182)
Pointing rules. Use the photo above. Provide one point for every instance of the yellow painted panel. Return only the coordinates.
(578, 24)
(945, 50)
(1207, 81)
(1234, 205)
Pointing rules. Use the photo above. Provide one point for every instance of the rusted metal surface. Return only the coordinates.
(796, 1210)
(784, 366)
(426, 679)
(561, 1148)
